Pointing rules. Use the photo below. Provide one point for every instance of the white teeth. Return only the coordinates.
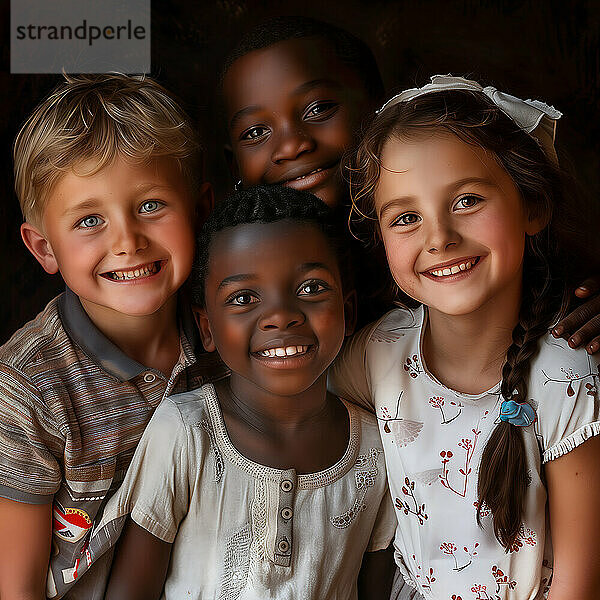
(303, 176)
(452, 270)
(287, 351)
(134, 274)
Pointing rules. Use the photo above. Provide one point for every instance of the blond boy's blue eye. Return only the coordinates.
(91, 221)
(150, 206)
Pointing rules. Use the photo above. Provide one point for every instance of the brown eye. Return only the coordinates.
(405, 220)
(467, 202)
(311, 288)
(320, 110)
(242, 299)
(254, 133)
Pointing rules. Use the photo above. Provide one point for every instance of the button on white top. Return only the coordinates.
(286, 513)
(149, 377)
(283, 546)
(286, 485)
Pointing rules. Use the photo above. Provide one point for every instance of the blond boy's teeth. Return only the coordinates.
(287, 351)
(144, 271)
(453, 270)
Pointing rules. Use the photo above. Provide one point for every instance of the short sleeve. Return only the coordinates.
(385, 525)
(565, 389)
(156, 490)
(348, 376)
(30, 441)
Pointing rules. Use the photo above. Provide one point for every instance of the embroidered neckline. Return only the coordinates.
(420, 315)
(306, 480)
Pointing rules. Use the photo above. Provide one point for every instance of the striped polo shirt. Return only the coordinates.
(73, 407)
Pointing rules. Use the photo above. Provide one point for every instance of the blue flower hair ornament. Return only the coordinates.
(520, 414)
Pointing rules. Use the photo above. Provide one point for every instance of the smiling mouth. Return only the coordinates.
(453, 269)
(311, 178)
(319, 170)
(284, 351)
(140, 272)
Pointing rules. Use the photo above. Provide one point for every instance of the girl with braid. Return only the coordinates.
(489, 424)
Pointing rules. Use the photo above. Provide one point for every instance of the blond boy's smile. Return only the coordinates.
(121, 237)
(138, 272)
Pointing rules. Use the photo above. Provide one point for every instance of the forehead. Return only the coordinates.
(123, 172)
(436, 159)
(262, 76)
(271, 248)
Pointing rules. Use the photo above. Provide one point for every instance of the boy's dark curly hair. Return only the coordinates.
(351, 50)
(264, 204)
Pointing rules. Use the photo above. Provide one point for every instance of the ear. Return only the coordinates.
(204, 328)
(234, 170)
(40, 247)
(535, 223)
(204, 204)
(350, 312)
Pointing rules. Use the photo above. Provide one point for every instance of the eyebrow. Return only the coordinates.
(311, 85)
(240, 114)
(243, 277)
(309, 266)
(240, 277)
(393, 203)
(301, 89)
(466, 180)
(88, 204)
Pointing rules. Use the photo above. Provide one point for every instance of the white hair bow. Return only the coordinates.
(532, 116)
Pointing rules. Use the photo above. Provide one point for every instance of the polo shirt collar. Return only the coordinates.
(98, 347)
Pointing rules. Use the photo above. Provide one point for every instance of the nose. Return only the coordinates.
(127, 238)
(293, 141)
(281, 314)
(441, 235)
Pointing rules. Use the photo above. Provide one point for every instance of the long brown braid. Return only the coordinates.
(472, 117)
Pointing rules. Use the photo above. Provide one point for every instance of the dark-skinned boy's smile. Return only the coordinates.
(292, 109)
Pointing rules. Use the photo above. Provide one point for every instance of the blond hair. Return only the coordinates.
(99, 117)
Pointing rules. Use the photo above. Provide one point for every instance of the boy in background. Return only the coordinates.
(297, 92)
(106, 173)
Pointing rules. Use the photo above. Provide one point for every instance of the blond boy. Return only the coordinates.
(105, 171)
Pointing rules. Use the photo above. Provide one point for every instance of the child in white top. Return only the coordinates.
(263, 485)
(488, 422)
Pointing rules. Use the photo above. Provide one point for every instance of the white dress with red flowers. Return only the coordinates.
(433, 438)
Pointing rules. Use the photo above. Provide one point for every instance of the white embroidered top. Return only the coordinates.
(241, 530)
(433, 438)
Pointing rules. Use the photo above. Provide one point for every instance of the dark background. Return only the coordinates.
(546, 50)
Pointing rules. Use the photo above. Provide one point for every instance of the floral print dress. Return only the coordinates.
(433, 438)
